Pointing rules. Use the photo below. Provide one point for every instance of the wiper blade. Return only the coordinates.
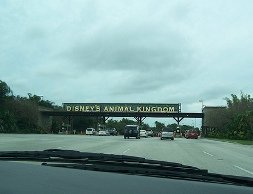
(76, 156)
(65, 156)
(239, 180)
(121, 164)
(72, 156)
(159, 172)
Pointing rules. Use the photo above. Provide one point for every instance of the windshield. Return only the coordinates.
(133, 128)
(168, 130)
(87, 75)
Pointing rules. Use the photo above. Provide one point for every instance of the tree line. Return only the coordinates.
(235, 121)
(20, 115)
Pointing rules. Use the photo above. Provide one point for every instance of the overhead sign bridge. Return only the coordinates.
(137, 110)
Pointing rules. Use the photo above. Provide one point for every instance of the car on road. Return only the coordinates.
(132, 131)
(112, 131)
(191, 134)
(90, 131)
(103, 133)
(167, 133)
(143, 133)
(150, 132)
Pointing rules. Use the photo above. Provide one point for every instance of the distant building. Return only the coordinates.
(211, 114)
(214, 117)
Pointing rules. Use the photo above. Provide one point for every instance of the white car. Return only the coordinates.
(150, 133)
(102, 133)
(90, 131)
(167, 133)
(143, 133)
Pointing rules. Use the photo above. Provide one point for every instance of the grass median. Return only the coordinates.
(243, 142)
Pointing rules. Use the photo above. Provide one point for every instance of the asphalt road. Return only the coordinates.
(217, 157)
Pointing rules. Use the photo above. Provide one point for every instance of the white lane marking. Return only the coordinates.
(208, 154)
(243, 169)
(126, 150)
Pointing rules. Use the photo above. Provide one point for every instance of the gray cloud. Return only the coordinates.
(147, 49)
(152, 57)
(35, 33)
(217, 92)
(154, 80)
(127, 51)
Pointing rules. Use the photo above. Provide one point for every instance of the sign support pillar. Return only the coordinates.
(140, 120)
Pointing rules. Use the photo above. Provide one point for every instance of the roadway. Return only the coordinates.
(217, 157)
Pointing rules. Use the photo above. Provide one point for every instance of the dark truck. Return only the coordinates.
(132, 131)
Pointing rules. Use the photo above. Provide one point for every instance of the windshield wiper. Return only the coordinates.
(121, 164)
(72, 156)
(76, 156)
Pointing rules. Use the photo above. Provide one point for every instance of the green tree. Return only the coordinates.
(7, 120)
(4, 90)
(81, 123)
(120, 125)
(239, 105)
(159, 126)
(145, 126)
(56, 124)
(239, 112)
(21, 114)
(26, 115)
(39, 101)
(173, 126)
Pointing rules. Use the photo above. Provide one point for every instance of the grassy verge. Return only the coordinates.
(243, 142)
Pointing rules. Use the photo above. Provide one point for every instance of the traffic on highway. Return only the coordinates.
(188, 155)
(124, 96)
(216, 156)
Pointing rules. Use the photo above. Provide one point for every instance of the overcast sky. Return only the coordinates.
(141, 51)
